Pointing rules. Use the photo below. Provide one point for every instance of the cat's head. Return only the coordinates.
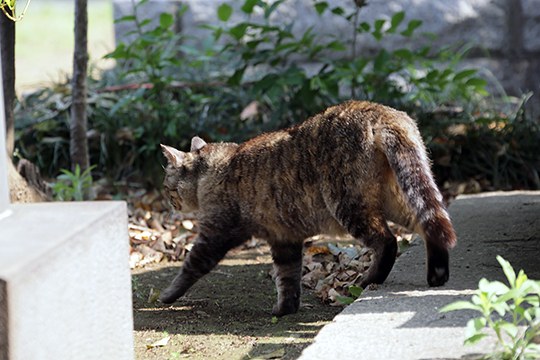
(182, 175)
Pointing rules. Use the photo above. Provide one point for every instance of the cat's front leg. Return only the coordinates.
(203, 257)
(287, 275)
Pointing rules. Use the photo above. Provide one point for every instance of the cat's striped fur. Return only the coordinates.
(348, 169)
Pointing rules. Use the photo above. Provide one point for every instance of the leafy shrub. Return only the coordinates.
(248, 77)
(520, 299)
(73, 186)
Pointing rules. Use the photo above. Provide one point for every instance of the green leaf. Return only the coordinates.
(355, 291)
(521, 279)
(405, 54)
(396, 20)
(460, 305)
(236, 78)
(432, 75)
(532, 313)
(473, 330)
(493, 287)
(446, 73)
(480, 83)
(224, 12)
(338, 11)
(293, 77)
(248, 6)
(411, 27)
(238, 31)
(345, 300)
(533, 350)
(270, 9)
(379, 23)
(166, 20)
(315, 83)
(363, 27)
(509, 328)
(533, 300)
(336, 45)
(507, 268)
(145, 22)
(464, 74)
(500, 307)
(125, 19)
(512, 294)
(474, 339)
(377, 35)
(380, 61)
(321, 7)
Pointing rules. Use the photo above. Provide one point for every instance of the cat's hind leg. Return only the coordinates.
(369, 226)
(287, 275)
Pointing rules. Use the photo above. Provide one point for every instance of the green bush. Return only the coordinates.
(73, 186)
(248, 77)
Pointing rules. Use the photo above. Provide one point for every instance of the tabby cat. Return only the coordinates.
(348, 169)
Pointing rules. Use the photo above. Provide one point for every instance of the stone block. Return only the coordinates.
(65, 286)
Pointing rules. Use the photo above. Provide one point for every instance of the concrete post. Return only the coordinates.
(65, 287)
(4, 186)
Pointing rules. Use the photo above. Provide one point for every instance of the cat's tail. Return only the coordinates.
(406, 154)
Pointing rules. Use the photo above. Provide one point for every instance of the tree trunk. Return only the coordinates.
(20, 190)
(7, 51)
(78, 141)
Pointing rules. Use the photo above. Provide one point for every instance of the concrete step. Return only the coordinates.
(401, 319)
(65, 285)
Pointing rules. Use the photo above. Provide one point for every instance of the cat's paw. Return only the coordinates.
(168, 296)
(438, 276)
(286, 307)
(438, 268)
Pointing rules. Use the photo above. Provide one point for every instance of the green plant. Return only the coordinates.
(268, 58)
(152, 52)
(73, 186)
(354, 291)
(510, 311)
(167, 87)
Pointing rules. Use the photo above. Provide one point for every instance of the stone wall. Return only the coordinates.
(504, 34)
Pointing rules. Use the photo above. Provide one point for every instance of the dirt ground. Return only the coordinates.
(226, 315)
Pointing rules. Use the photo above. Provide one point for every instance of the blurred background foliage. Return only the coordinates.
(248, 77)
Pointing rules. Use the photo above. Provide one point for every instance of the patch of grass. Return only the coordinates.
(41, 59)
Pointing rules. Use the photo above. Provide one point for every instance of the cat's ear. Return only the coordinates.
(174, 157)
(197, 143)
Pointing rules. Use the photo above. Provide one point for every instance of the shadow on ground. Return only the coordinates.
(225, 315)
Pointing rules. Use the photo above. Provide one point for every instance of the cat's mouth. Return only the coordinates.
(174, 203)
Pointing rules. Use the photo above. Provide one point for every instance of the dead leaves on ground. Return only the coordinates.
(330, 267)
(155, 232)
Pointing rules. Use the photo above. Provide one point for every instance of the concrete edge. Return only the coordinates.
(72, 229)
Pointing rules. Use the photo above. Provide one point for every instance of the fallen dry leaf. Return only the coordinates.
(250, 111)
(159, 343)
(153, 296)
(276, 354)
